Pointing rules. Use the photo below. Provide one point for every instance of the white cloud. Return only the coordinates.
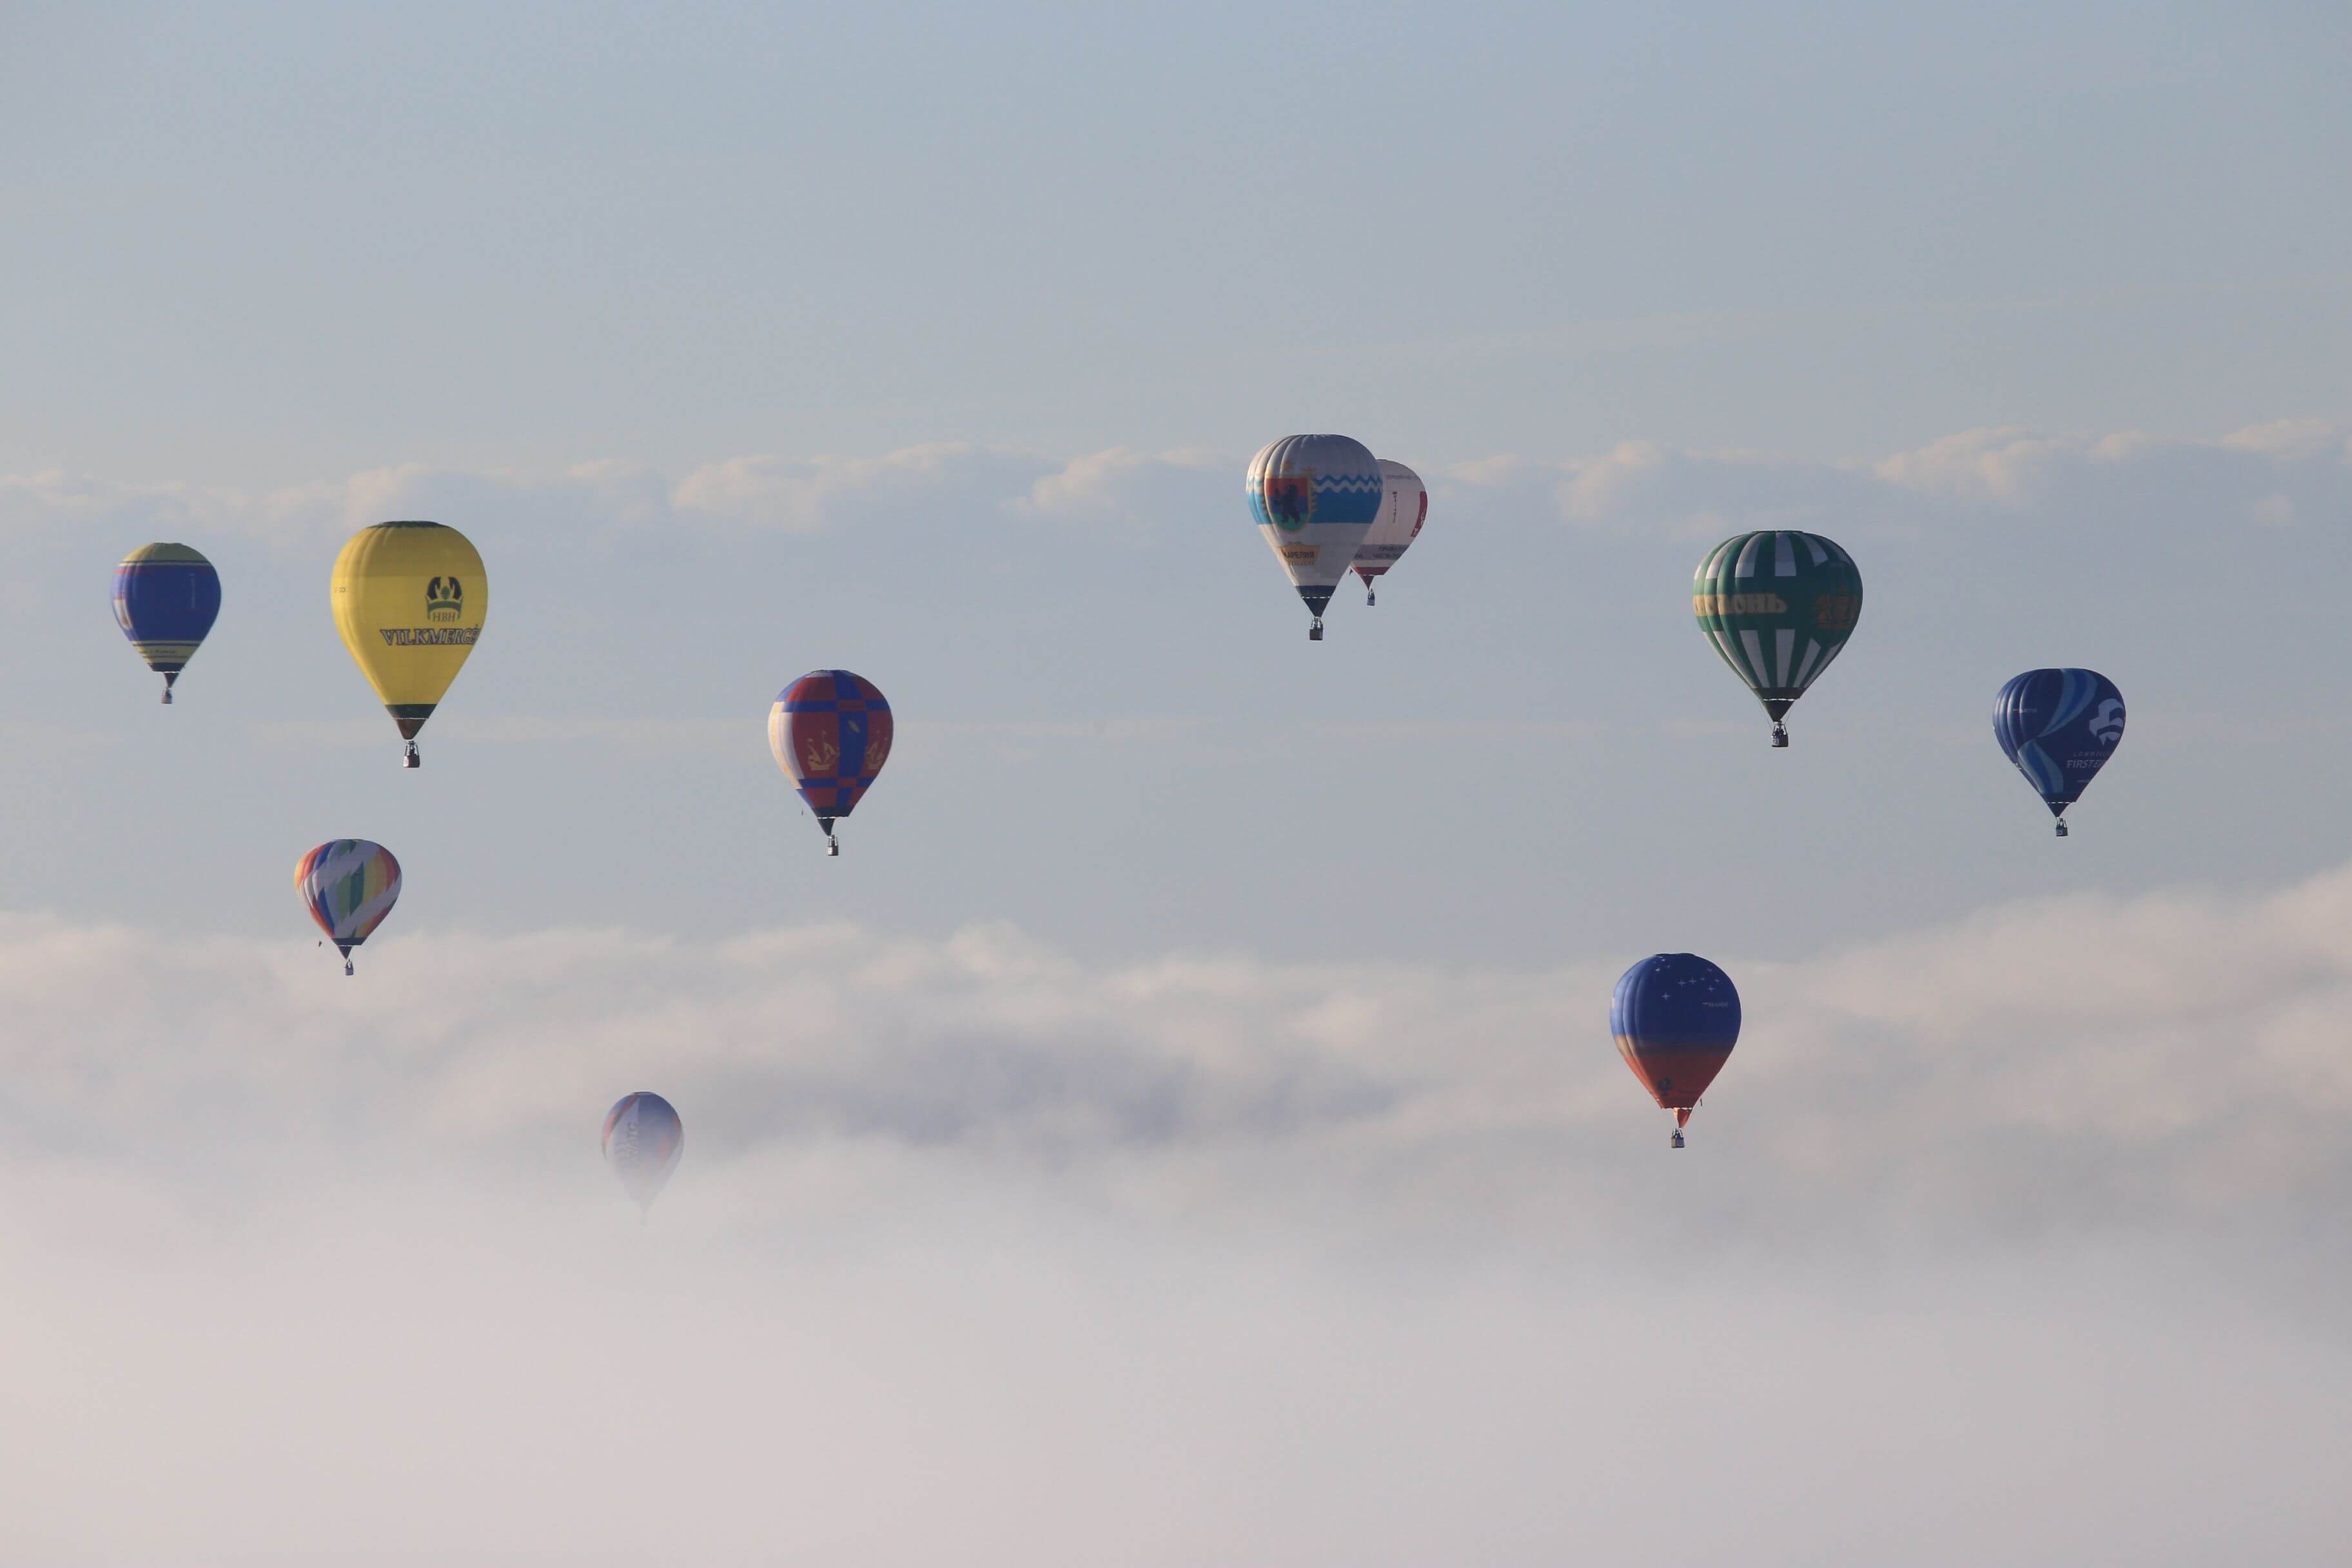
(2271, 473)
(2183, 1049)
(49, 497)
(2278, 474)
(806, 493)
(1122, 485)
(2004, 465)
(1653, 486)
(1501, 470)
(2294, 439)
(1597, 487)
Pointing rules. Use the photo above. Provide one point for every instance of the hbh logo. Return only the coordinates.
(444, 599)
(2108, 724)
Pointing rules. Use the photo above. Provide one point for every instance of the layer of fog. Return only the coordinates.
(2016, 1239)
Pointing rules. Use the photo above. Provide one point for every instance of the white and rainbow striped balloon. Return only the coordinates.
(350, 885)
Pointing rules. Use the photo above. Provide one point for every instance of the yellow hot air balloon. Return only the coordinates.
(409, 599)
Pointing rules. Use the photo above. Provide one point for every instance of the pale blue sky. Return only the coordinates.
(263, 240)
(1182, 1126)
(259, 252)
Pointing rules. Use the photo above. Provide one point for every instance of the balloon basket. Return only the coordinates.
(1315, 632)
(1371, 598)
(1677, 1139)
(409, 759)
(2062, 827)
(832, 847)
(167, 697)
(348, 969)
(1780, 737)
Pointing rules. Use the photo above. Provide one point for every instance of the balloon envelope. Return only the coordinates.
(1778, 606)
(348, 886)
(1315, 497)
(831, 732)
(643, 1139)
(165, 598)
(1677, 1017)
(2060, 727)
(1404, 507)
(409, 599)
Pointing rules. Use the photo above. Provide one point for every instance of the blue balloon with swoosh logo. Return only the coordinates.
(2060, 727)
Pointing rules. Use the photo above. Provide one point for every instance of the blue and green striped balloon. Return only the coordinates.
(1779, 605)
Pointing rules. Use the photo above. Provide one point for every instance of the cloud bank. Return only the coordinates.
(2287, 471)
(2282, 473)
(2073, 1066)
(767, 492)
(980, 1250)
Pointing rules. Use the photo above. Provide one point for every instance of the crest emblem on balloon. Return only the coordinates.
(1290, 500)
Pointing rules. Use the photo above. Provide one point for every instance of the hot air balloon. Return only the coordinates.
(643, 1139)
(1315, 497)
(409, 599)
(2060, 727)
(166, 595)
(1778, 606)
(1404, 506)
(350, 885)
(1677, 1017)
(831, 732)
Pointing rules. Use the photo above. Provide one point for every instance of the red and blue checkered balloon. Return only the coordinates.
(831, 732)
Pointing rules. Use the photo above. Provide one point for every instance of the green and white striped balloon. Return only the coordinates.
(1779, 605)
